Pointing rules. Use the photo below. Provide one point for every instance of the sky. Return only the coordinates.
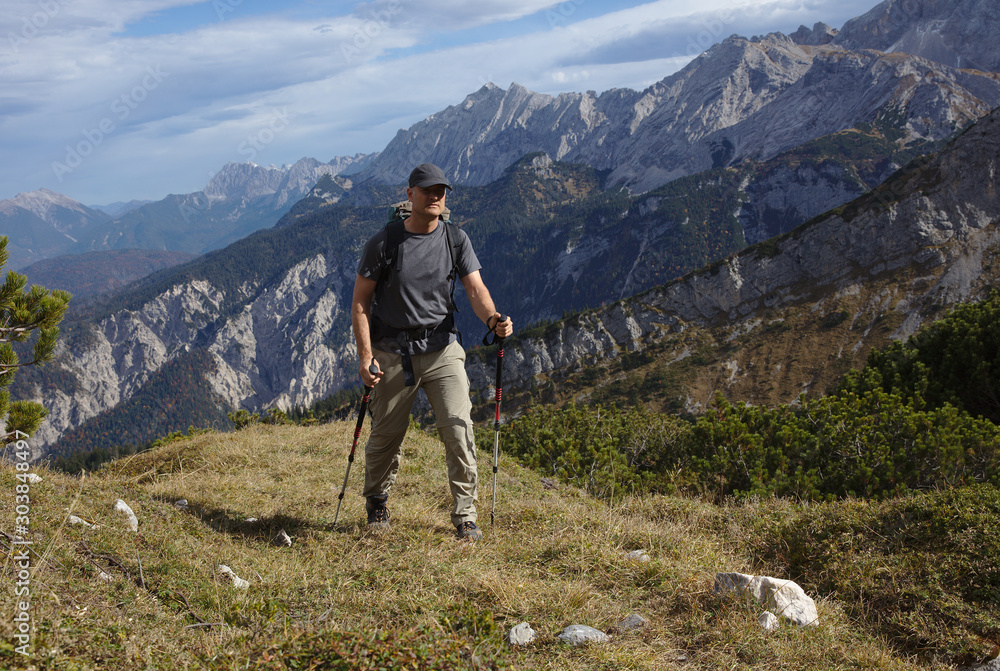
(115, 100)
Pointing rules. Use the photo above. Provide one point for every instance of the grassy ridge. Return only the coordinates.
(412, 597)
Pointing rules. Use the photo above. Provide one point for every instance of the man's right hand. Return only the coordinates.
(370, 373)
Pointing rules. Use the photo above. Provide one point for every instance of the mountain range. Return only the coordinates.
(239, 199)
(580, 201)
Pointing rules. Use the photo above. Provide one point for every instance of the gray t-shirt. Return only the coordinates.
(418, 292)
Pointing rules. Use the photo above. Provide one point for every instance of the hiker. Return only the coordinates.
(404, 326)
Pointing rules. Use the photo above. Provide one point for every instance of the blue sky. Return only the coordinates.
(110, 100)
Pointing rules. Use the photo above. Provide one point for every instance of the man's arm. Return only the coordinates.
(361, 302)
(482, 304)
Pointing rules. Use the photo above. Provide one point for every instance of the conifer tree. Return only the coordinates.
(22, 312)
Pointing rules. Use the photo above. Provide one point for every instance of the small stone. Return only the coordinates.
(73, 519)
(238, 582)
(522, 634)
(638, 556)
(579, 634)
(181, 503)
(282, 539)
(122, 507)
(632, 622)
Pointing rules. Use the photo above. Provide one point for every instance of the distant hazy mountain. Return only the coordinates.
(43, 223)
(240, 199)
(119, 208)
(85, 275)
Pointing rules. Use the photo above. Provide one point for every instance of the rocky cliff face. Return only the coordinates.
(275, 350)
(740, 99)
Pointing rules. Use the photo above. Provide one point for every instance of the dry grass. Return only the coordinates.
(553, 558)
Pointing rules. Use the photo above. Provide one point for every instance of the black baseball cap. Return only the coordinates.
(428, 174)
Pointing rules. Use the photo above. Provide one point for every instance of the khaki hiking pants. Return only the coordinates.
(443, 378)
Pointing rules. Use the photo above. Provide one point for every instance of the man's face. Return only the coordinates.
(428, 200)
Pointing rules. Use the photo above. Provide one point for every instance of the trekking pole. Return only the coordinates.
(373, 369)
(496, 421)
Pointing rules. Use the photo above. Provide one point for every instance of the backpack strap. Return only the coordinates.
(450, 233)
(393, 251)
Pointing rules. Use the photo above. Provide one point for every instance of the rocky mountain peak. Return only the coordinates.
(821, 33)
(236, 180)
(42, 203)
(958, 33)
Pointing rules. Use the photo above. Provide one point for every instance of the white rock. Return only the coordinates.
(522, 634)
(579, 634)
(992, 665)
(123, 508)
(768, 620)
(181, 503)
(783, 597)
(106, 577)
(638, 555)
(33, 478)
(238, 582)
(282, 539)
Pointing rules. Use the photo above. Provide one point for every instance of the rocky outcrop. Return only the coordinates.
(958, 33)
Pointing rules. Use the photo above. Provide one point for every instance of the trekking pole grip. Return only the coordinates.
(492, 332)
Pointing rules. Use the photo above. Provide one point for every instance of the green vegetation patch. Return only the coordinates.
(922, 571)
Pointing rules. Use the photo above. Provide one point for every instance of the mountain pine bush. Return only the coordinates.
(21, 313)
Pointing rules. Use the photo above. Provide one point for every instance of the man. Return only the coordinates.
(407, 335)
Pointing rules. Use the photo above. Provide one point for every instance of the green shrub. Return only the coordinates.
(605, 451)
(868, 445)
(955, 361)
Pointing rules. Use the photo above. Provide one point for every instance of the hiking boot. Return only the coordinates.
(378, 514)
(468, 531)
